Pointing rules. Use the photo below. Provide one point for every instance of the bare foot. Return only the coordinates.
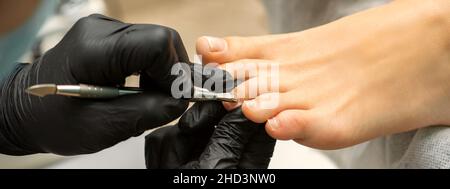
(378, 72)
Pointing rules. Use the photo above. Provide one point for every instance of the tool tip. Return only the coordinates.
(42, 90)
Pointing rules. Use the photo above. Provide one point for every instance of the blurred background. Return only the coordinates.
(192, 19)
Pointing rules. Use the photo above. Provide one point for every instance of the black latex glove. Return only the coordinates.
(99, 51)
(208, 137)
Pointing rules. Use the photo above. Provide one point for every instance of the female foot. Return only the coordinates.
(382, 71)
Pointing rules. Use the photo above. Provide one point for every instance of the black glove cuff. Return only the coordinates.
(8, 137)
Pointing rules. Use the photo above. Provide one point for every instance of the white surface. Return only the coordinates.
(290, 155)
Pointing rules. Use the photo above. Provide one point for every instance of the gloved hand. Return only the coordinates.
(99, 51)
(208, 137)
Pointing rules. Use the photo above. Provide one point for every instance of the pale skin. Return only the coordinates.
(378, 72)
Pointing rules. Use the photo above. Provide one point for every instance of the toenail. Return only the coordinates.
(250, 103)
(216, 44)
(273, 123)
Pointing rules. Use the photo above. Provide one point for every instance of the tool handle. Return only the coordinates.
(89, 91)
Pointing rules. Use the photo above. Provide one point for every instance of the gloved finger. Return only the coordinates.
(201, 115)
(168, 62)
(228, 142)
(207, 114)
(212, 78)
(98, 58)
(177, 145)
(184, 76)
(164, 52)
(145, 111)
(110, 50)
(258, 151)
